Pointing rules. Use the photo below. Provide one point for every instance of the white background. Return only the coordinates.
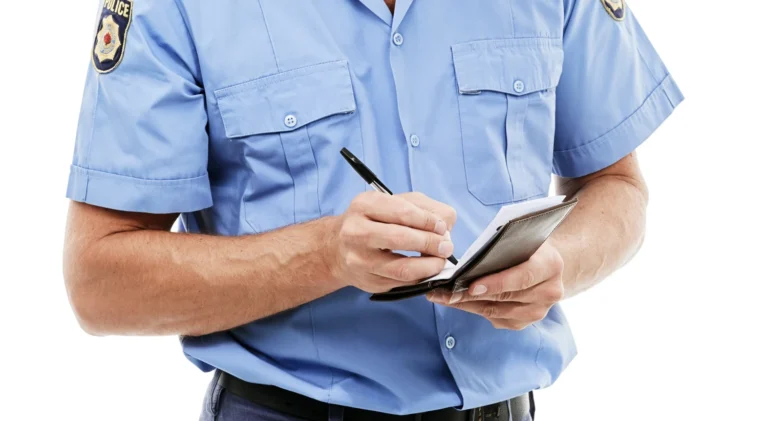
(679, 334)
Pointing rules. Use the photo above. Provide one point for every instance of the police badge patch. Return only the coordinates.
(109, 46)
(616, 8)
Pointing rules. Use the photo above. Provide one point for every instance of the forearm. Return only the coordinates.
(153, 282)
(604, 231)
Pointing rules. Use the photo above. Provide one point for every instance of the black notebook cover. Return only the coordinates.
(514, 243)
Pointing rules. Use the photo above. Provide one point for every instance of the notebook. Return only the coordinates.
(511, 238)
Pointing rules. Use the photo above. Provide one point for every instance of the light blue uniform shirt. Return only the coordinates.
(233, 114)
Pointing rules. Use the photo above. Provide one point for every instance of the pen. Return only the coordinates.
(373, 181)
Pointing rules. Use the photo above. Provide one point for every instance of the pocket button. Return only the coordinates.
(519, 86)
(290, 120)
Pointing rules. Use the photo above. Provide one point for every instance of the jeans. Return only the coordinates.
(222, 406)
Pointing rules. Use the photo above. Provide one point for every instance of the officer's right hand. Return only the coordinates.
(360, 240)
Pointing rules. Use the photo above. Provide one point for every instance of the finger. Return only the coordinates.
(549, 291)
(509, 324)
(526, 313)
(521, 277)
(444, 211)
(367, 265)
(398, 237)
(407, 269)
(397, 210)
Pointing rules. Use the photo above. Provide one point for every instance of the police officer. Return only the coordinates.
(231, 115)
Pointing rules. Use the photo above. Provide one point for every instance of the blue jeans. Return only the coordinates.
(222, 406)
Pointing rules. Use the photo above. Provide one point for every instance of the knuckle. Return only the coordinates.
(348, 229)
(528, 279)
(403, 272)
(506, 296)
(428, 244)
(554, 293)
(557, 263)
(355, 232)
(490, 312)
(403, 213)
(399, 240)
(361, 201)
(450, 216)
(350, 260)
(428, 221)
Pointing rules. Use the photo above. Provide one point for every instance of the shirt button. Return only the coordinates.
(290, 120)
(415, 141)
(397, 39)
(519, 86)
(450, 342)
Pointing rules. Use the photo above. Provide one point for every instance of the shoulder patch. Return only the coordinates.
(109, 46)
(616, 8)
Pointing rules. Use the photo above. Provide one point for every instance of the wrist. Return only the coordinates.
(325, 238)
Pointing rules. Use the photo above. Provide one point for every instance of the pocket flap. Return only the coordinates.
(286, 101)
(512, 66)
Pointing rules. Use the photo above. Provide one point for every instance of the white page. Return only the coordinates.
(505, 214)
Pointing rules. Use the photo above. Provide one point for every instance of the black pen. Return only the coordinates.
(373, 181)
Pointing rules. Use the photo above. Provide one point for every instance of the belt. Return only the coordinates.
(286, 402)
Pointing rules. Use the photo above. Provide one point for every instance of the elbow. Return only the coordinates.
(82, 290)
(87, 312)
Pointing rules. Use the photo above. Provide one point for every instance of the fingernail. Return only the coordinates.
(440, 227)
(445, 248)
(447, 235)
(479, 290)
(436, 297)
(455, 298)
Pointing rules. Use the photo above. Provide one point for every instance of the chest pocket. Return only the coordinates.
(287, 123)
(507, 112)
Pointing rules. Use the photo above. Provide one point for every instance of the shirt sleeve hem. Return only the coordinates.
(132, 194)
(623, 139)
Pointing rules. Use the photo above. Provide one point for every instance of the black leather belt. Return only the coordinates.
(301, 406)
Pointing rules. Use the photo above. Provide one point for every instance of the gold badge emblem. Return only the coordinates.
(107, 40)
(616, 8)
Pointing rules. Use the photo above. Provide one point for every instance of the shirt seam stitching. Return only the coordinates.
(269, 35)
(104, 174)
(631, 31)
(87, 160)
(279, 77)
(198, 67)
(512, 19)
(317, 350)
(541, 345)
(618, 126)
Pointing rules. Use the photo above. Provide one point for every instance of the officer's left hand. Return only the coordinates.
(517, 297)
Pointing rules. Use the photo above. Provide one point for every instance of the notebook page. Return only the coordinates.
(505, 214)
